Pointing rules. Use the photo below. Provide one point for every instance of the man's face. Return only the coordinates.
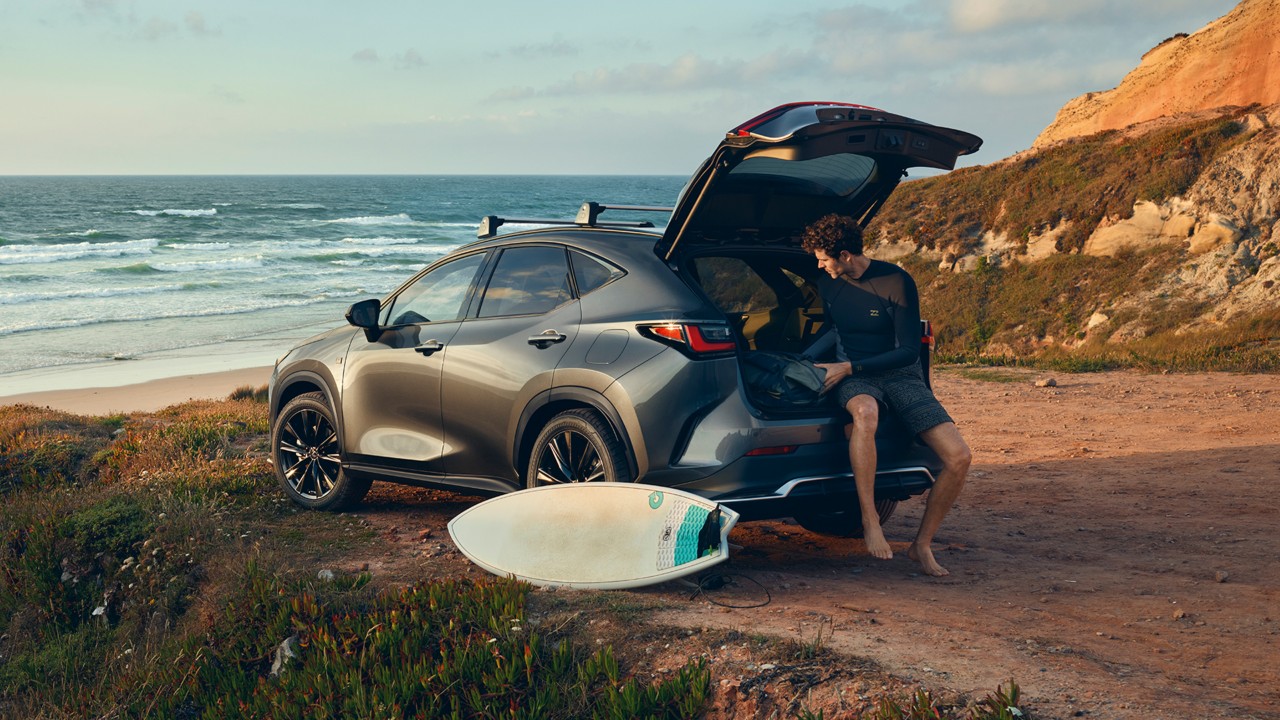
(835, 266)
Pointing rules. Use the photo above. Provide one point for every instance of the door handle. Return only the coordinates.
(546, 338)
(429, 347)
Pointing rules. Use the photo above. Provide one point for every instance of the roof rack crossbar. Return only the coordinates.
(489, 224)
(588, 216)
(589, 211)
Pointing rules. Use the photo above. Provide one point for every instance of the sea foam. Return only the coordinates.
(24, 254)
(397, 219)
(177, 212)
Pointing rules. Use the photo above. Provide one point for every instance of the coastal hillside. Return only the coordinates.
(1155, 244)
(1234, 60)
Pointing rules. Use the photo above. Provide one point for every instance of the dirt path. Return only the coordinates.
(1113, 553)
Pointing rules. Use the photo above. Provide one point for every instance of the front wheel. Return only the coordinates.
(576, 446)
(843, 523)
(307, 455)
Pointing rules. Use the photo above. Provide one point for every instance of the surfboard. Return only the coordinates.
(594, 535)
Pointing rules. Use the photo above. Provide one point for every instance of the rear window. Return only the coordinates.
(840, 175)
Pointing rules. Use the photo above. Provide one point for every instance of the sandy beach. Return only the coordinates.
(147, 396)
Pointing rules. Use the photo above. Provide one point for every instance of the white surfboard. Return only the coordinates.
(595, 535)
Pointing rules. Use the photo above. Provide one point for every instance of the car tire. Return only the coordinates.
(842, 523)
(576, 446)
(307, 454)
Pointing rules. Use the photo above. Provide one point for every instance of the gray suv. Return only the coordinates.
(588, 351)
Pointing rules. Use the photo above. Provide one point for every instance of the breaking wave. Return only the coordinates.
(176, 213)
(397, 219)
(24, 254)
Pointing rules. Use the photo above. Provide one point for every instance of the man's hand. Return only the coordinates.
(835, 373)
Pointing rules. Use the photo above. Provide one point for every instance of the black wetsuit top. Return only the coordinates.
(876, 317)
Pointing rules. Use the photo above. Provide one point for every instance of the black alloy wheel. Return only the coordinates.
(576, 446)
(307, 455)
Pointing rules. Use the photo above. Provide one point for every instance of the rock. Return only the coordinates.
(1184, 73)
(1179, 614)
(1046, 382)
(1221, 576)
(325, 575)
(284, 653)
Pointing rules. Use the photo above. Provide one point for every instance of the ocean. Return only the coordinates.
(112, 269)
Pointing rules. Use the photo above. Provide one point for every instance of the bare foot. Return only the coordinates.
(923, 554)
(873, 536)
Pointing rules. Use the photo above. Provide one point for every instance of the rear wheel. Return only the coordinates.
(843, 523)
(576, 446)
(307, 455)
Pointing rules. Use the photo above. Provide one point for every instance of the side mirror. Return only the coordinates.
(364, 314)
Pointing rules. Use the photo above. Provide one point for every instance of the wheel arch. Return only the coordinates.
(301, 383)
(553, 402)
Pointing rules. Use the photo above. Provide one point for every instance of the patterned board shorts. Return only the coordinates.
(903, 391)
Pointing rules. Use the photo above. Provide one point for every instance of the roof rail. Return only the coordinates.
(587, 216)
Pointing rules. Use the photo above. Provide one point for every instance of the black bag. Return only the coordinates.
(782, 380)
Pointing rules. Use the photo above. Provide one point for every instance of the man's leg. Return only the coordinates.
(862, 457)
(951, 448)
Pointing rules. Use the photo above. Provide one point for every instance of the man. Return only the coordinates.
(875, 311)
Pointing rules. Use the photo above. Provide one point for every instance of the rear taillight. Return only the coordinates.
(693, 339)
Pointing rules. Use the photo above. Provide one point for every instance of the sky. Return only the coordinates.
(520, 87)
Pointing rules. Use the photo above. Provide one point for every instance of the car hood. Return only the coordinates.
(779, 171)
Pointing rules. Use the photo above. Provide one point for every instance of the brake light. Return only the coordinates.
(692, 338)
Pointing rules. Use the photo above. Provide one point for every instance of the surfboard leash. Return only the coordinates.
(712, 581)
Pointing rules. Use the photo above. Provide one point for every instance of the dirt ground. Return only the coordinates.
(1113, 553)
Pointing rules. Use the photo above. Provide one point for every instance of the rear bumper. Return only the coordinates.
(829, 491)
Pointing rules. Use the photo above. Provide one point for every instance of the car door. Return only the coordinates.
(503, 356)
(391, 384)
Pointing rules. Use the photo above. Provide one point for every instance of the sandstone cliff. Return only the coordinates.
(1234, 60)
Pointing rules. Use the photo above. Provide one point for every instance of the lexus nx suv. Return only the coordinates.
(594, 351)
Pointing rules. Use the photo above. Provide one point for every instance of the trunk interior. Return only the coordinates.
(769, 296)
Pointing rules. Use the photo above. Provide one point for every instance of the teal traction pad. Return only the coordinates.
(679, 542)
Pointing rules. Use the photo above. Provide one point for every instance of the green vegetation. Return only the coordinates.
(140, 577)
(1079, 182)
(149, 569)
(1039, 310)
(1038, 314)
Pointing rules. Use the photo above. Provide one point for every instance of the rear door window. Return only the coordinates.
(527, 281)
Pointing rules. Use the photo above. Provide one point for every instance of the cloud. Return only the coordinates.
(978, 16)
(196, 25)
(227, 95)
(556, 47)
(157, 29)
(409, 60)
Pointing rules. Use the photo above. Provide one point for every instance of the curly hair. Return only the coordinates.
(833, 234)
